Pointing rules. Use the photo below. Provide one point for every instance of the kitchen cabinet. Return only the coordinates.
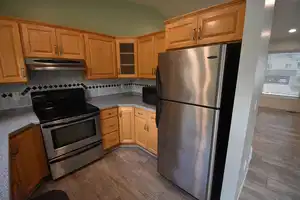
(182, 33)
(27, 155)
(159, 47)
(70, 43)
(109, 125)
(49, 42)
(39, 41)
(126, 125)
(110, 140)
(221, 23)
(126, 49)
(141, 131)
(146, 57)
(152, 134)
(145, 130)
(149, 47)
(12, 67)
(100, 56)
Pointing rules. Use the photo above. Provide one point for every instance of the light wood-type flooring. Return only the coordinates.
(124, 174)
(130, 173)
(274, 171)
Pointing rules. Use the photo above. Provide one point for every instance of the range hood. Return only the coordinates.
(54, 64)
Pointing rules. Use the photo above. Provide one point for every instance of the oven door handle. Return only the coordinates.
(68, 123)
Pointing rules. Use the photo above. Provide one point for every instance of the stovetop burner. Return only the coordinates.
(59, 104)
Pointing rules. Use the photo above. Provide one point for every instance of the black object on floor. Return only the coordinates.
(53, 195)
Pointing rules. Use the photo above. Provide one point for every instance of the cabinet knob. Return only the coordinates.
(145, 127)
(120, 114)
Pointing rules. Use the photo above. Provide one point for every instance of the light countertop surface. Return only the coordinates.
(15, 120)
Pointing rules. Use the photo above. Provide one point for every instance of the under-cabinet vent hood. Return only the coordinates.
(54, 64)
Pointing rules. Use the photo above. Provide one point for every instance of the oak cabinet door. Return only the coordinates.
(152, 134)
(39, 41)
(146, 57)
(159, 47)
(182, 33)
(222, 24)
(12, 67)
(110, 140)
(70, 43)
(100, 56)
(28, 155)
(126, 49)
(126, 121)
(141, 131)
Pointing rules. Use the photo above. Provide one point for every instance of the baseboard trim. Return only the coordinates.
(247, 168)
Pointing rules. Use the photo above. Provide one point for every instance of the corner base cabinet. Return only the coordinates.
(28, 162)
(126, 124)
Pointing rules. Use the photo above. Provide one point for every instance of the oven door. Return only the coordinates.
(66, 135)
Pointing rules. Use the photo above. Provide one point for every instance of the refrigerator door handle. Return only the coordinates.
(158, 90)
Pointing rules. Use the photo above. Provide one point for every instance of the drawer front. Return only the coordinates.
(152, 117)
(110, 140)
(107, 113)
(140, 113)
(109, 125)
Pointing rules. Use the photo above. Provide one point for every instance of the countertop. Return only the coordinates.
(15, 120)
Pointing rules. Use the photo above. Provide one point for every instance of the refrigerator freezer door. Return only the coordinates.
(192, 75)
(186, 141)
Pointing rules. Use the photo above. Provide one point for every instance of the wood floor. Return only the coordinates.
(274, 171)
(125, 174)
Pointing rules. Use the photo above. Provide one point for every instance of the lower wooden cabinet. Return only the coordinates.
(152, 134)
(145, 130)
(126, 124)
(111, 140)
(141, 131)
(27, 162)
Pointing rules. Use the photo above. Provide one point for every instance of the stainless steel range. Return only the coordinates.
(70, 129)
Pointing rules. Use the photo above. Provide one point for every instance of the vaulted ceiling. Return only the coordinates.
(171, 8)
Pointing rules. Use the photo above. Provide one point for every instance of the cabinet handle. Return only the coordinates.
(145, 127)
(61, 51)
(15, 151)
(23, 72)
(194, 34)
(199, 33)
(56, 49)
(120, 114)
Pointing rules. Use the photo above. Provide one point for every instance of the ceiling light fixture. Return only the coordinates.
(292, 30)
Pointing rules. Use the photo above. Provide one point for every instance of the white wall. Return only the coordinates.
(253, 62)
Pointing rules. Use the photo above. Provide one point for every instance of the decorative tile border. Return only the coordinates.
(29, 89)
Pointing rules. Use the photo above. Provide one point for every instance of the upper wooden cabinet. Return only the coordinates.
(182, 33)
(159, 46)
(39, 41)
(126, 57)
(221, 23)
(49, 42)
(126, 125)
(146, 57)
(70, 43)
(12, 67)
(100, 56)
(149, 47)
(27, 155)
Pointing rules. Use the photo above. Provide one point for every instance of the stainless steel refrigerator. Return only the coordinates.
(196, 89)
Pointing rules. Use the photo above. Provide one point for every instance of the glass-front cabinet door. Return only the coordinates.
(126, 57)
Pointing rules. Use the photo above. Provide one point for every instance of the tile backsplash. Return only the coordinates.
(18, 95)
